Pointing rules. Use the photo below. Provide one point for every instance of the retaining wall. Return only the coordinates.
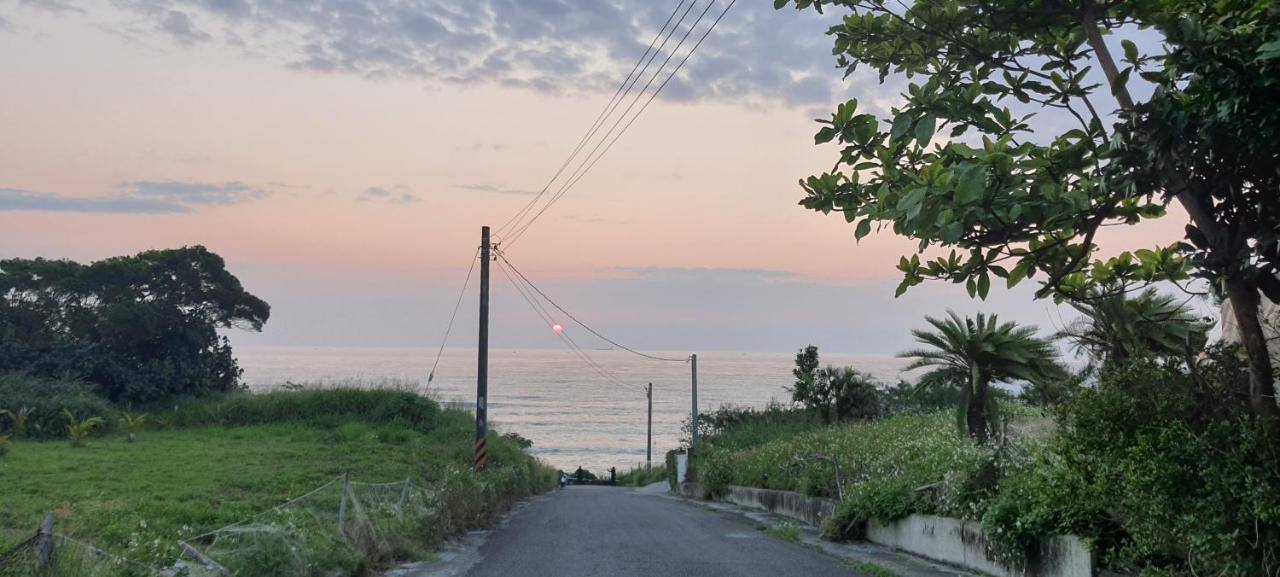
(952, 541)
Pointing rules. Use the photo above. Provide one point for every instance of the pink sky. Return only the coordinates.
(100, 97)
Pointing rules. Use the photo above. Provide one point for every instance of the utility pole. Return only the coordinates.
(482, 357)
(693, 433)
(648, 447)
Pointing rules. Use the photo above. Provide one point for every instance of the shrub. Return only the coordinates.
(643, 476)
(44, 401)
(1165, 469)
(886, 469)
(327, 408)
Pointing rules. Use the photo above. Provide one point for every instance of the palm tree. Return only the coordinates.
(973, 353)
(1115, 328)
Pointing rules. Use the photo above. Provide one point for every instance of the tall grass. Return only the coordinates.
(643, 476)
(327, 407)
(884, 469)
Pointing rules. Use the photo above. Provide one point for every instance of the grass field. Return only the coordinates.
(137, 499)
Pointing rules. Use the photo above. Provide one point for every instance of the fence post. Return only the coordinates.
(404, 493)
(342, 505)
(44, 545)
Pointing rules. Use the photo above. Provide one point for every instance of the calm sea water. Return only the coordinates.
(572, 414)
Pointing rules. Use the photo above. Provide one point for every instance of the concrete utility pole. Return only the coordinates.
(648, 447)
(482, 357)
(693, 433)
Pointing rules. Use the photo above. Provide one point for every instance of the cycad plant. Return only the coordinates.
(18, 420)
(133, 423)
(973, 353)
(1116, 327)
(78, 431)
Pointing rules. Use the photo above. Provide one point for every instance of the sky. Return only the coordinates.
(342, 156)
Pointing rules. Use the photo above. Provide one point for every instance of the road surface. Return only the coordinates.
(616, 532)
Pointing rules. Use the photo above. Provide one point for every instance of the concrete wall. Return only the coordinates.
(963, 543)
(952, 541)
(811, 510)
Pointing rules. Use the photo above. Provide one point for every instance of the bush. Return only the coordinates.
(886, 469)
(643, 476)
(1165, 470)
(328, 408)
(46, 399)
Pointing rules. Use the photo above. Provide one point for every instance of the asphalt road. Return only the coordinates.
(616, 532)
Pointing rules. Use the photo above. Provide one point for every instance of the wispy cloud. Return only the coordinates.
(134, 197)
(178, 25)
(494, 189)
(550, 46)
(379, 194)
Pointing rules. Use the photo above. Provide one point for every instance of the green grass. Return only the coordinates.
(872, 569)
(138, 499)
(642, 476)
(788, 533)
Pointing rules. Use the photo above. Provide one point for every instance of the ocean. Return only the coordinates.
(574, 416)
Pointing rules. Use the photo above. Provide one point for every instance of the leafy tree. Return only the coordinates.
(139, 328)
(1115, 328)
(980, 351)
(854, 394)
(1011, 201)
(809, 389)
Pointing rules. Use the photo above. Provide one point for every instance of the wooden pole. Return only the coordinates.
(693, 434)
(342, 505)
(44, 545)
(648, 447)
(404, 493)
(482, 357)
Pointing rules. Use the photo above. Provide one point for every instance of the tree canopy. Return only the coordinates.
(965, 167)
(139, 328)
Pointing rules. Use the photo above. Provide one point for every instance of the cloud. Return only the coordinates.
(54, 5)
(552, 46)
(134, 197)
(179, 26)
(494, 189)
(377, 193)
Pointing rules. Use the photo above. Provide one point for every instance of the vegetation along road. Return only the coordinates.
(583, 531)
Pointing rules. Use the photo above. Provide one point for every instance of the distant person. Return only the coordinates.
(613, 474)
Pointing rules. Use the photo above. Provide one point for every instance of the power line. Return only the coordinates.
(618, 96)
(574, 178)
(584, 325)
(449, 328)
(568, 341)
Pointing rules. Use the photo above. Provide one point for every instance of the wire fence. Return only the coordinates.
(339, 527)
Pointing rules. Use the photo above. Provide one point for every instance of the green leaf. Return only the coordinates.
(901, 123)
(1269, 51)
(925, 129)
(984, 285)
(1122, 81)
(1016, 275)
(864, 228)
(902, 288)
(1130, 50)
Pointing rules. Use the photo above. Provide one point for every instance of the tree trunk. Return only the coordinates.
(1243, 294)
(976, 414)
(1245, 303)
